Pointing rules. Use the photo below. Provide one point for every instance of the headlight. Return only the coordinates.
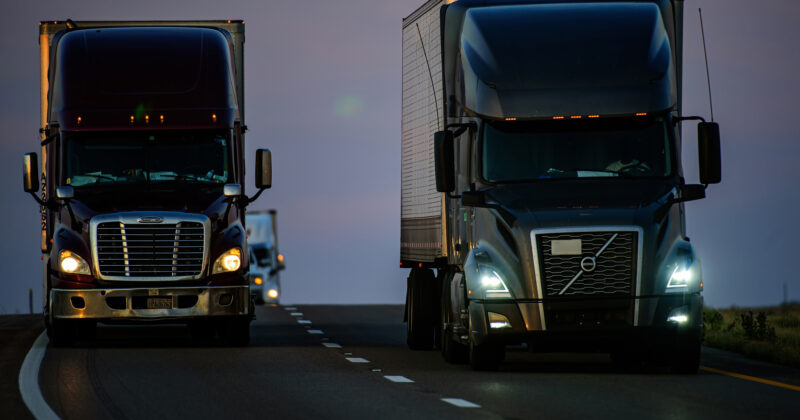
(69, 262)
(493, 285)
(680, 277)
(230, 260)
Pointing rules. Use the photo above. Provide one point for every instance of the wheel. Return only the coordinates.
(61, 332)
(452, 351)
(421, 298)
(237, 332)
(686, 356)
(485, 356)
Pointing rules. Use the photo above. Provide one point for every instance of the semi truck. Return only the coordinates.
(266, 260)
(541, 179)
(142, 201)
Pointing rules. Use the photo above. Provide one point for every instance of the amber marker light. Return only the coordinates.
(131, 119)
(80, 120)
(214, 118)
(558, 117)
(258, 281)
(147, 119)
(511, 119)
(594, 116)
(641, 114)
(161, 118)
(575, 117)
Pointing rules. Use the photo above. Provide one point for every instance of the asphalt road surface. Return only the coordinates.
(352, 362)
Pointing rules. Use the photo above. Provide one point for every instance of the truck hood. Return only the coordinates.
(208, 201)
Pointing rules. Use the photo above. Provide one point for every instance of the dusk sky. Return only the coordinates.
(323, 92)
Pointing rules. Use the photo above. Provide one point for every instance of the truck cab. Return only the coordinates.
(142, 200)
(557, 161)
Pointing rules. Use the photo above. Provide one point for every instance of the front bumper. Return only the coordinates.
(592, 325)
(132, 303)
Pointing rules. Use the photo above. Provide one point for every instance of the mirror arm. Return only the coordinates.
(690, 118)
(247, 201)
(451, 195)
(462, 127)
(38, 200)
(72, 218)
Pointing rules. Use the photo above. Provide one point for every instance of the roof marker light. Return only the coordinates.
(594, 116)
(575, 117)
(511, 118)
(558, 117)
(641, 114)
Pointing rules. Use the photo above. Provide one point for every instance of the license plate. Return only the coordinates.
(159, 303)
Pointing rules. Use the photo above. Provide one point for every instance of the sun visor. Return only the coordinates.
(537, 61)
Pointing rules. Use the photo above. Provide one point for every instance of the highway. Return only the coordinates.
(351, 362)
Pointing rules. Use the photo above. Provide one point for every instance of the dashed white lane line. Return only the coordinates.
(332, 345)
(314, 331)
(399, 379)
(29, 380)
(303, 321)
(458, 402)
(290, 308)
(357, 360)
(296, 314)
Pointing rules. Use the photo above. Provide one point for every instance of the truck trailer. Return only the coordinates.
(142, 198)
(541, 179)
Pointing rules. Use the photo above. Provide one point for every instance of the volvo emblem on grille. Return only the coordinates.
(588, 264)
(150, 220)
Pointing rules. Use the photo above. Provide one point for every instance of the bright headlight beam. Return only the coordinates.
(679, 278)
(72, 263)
(230, 260)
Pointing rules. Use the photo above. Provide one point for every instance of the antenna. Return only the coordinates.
(705, 54)
(433, 86)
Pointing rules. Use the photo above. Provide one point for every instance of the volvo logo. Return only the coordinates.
(151, 220)
(588, 264)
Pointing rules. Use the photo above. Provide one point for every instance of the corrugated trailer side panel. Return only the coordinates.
(421, 225)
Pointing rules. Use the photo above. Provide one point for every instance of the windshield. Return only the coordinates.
(146, 157)
(521, 151)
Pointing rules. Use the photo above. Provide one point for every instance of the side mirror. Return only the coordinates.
(444, 161)
(65, 192)
(709, 153)
(263, 168)
(232, 190)
(30, 172)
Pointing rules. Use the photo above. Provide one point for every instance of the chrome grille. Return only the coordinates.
(147, 250)
(615, 268)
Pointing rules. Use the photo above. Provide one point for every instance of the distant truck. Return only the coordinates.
(265, 259)
(541, 178)
(142, 178)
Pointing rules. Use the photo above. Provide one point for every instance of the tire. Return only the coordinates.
(485, 357)
(421, 299)
(61, 333)
(237, 332)
(452, 351)
(686, 356)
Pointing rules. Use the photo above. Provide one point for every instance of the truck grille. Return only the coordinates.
(145, 250)
(612, 274)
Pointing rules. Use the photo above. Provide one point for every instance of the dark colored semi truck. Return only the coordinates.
(142, 176)
(542, 180)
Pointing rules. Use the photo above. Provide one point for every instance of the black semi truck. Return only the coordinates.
(142, 176)
(542, 180)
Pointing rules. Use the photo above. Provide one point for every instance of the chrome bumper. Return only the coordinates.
(131, 304)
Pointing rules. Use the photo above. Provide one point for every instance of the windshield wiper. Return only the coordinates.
(99, 177)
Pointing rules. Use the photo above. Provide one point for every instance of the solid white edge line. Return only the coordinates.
(458, 402)
(29, 380)
(399, 379)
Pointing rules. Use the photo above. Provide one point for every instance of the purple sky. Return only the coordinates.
(323, 92)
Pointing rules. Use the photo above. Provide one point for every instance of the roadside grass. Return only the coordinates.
(771, 334)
